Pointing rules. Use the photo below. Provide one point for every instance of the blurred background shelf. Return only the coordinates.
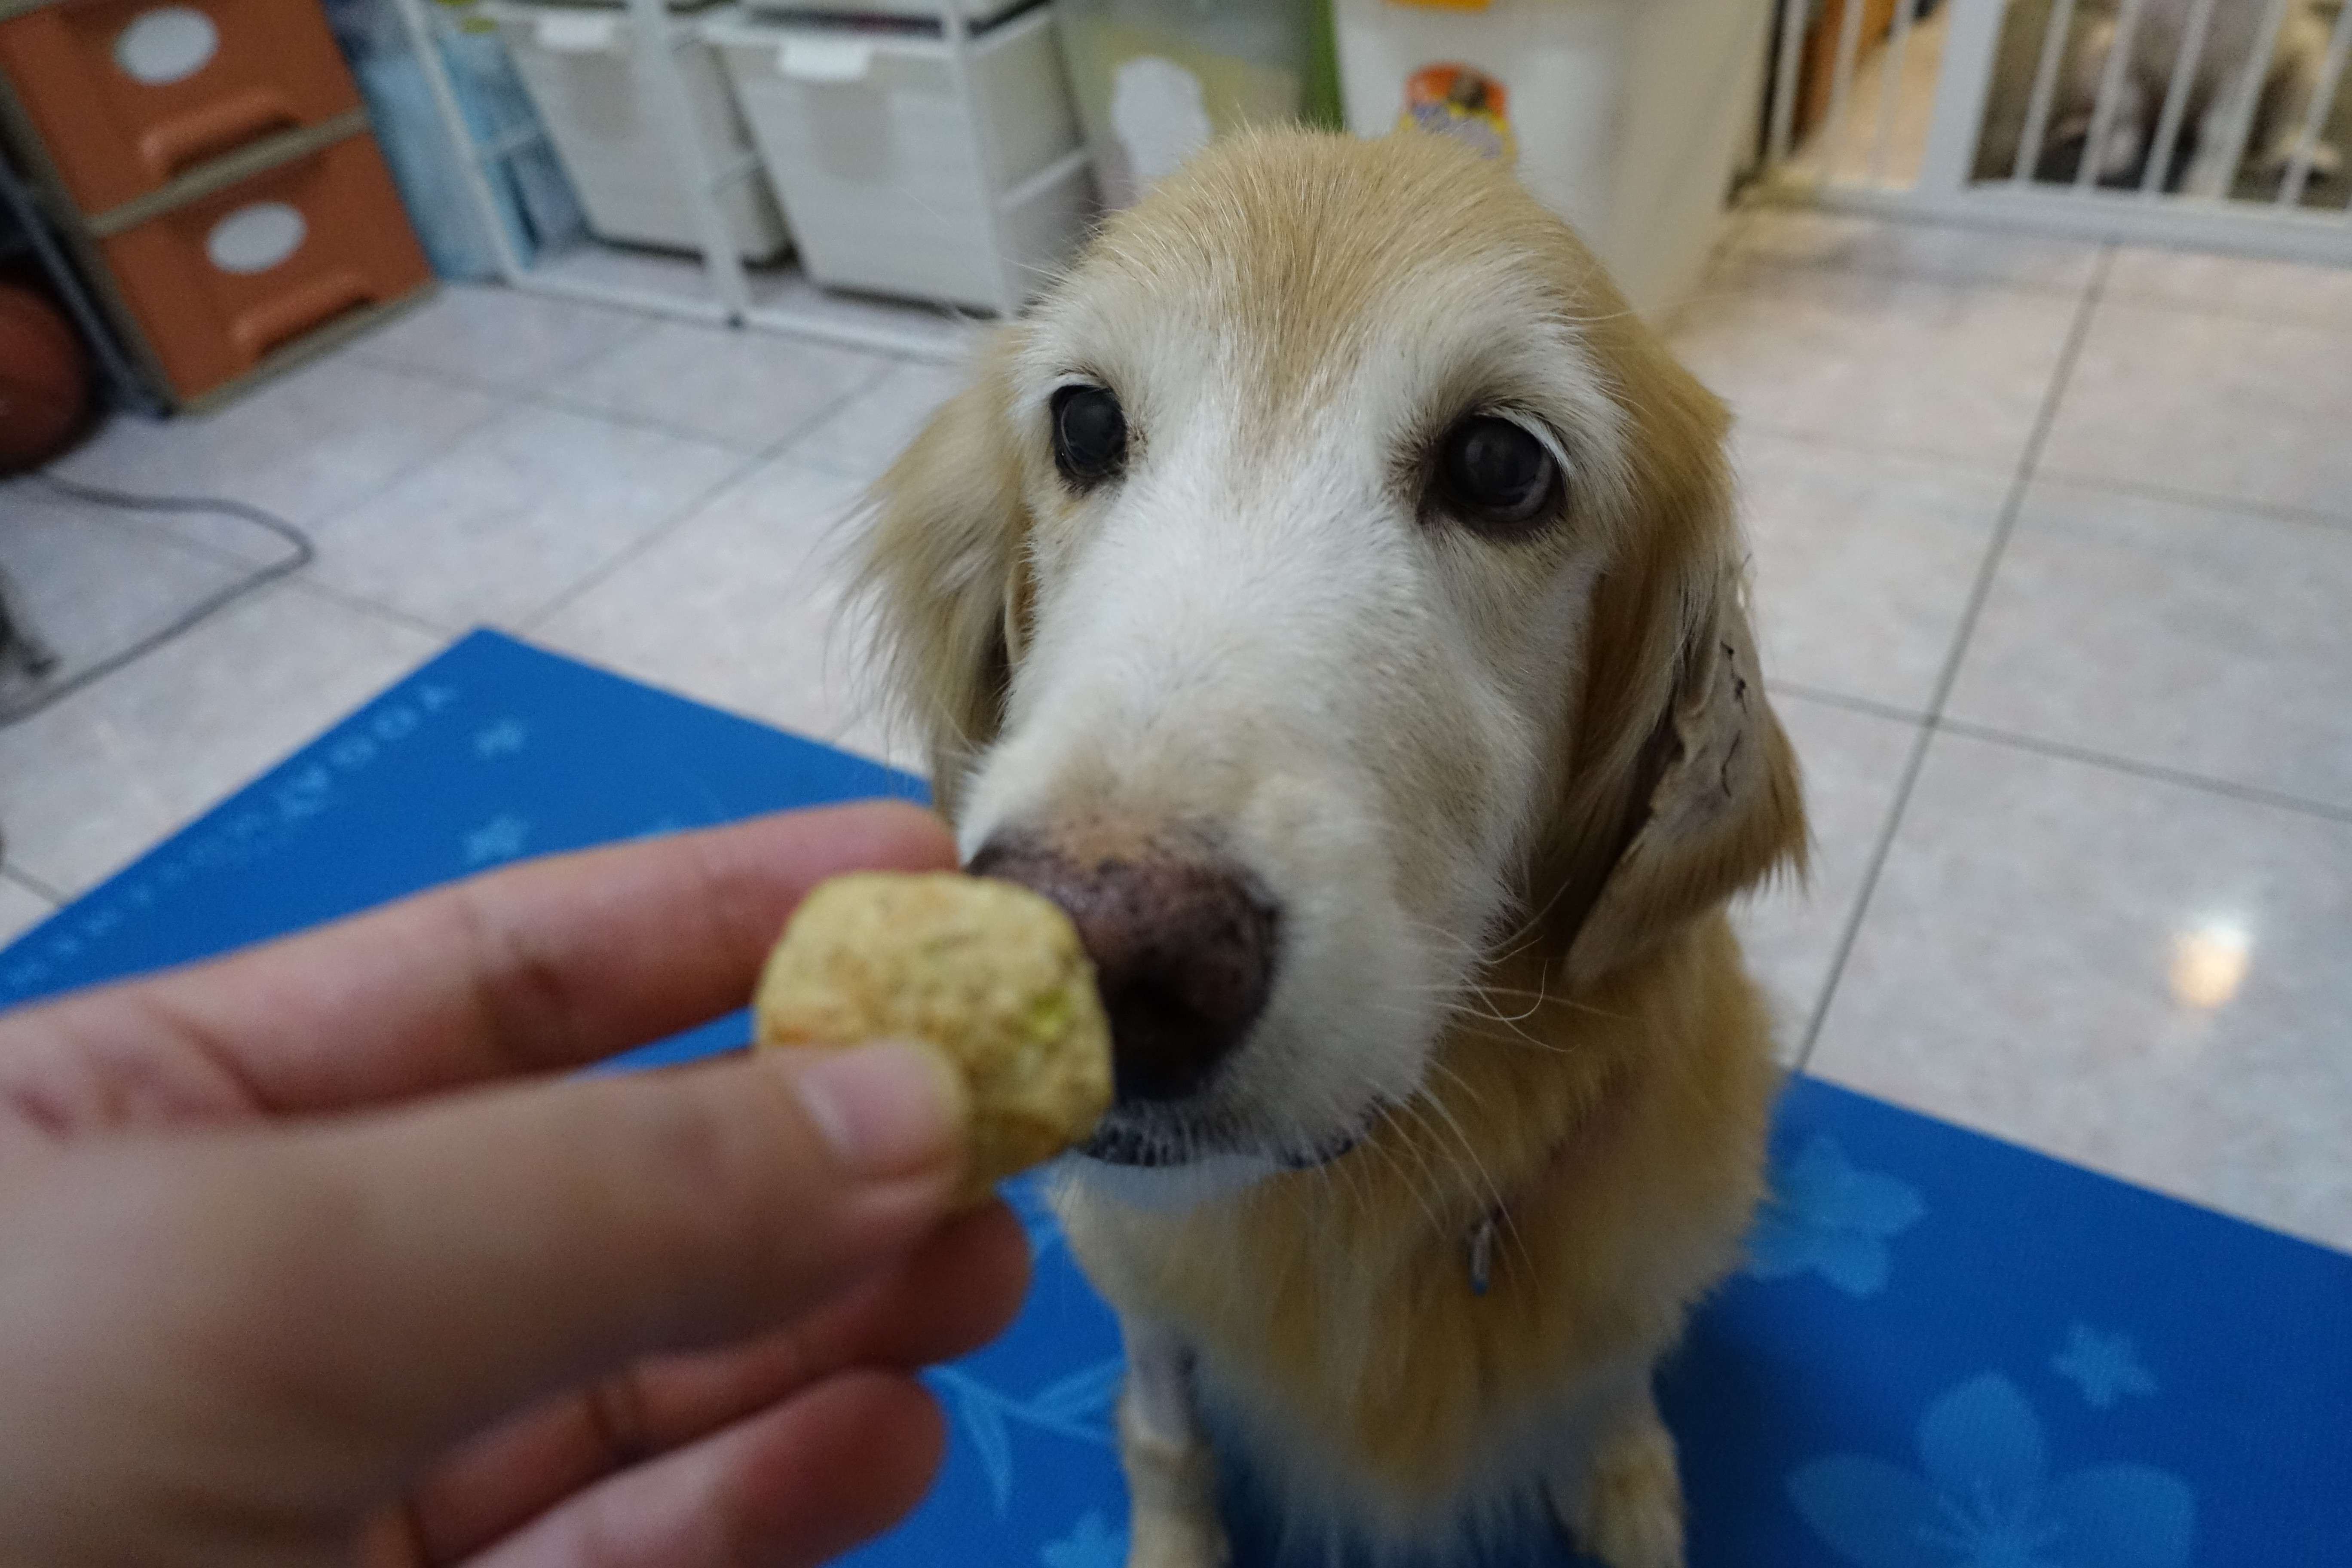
(206, 179)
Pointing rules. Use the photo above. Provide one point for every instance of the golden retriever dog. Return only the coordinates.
(1330, 595)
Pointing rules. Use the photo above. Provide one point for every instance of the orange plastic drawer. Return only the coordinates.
(217, 284)
(129, 94)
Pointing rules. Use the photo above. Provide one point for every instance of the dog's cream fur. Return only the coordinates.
(1501, 789)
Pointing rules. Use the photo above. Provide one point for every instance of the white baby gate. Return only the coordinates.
(1904, 131)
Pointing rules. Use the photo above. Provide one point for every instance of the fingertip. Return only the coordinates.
(897, 834)
(884, 1110)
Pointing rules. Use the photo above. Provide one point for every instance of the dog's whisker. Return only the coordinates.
(1413, 1184)
(1516, 1037)
(1491, 1191)
(1419, 1137)
(1507, 1218)
(1465, 1021)
(1494, 1014)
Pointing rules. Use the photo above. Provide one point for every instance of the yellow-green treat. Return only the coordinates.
(991, 973)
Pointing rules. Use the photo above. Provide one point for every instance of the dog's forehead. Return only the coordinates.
(1276, 268)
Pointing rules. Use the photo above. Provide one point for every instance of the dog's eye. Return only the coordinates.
(1089, 434)
(1494, 474)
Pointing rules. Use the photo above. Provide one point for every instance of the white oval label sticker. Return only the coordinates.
(255, 238)
(168, 44)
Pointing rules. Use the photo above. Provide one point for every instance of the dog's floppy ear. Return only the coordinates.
(1680, 788)
(1716, 803)
(941, 570)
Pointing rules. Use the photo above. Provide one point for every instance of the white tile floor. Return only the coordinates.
(2054, 560)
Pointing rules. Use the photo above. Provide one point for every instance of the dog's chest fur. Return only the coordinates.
(1618, 1133)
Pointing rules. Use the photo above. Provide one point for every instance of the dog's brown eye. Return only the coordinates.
(1494, 474)
(1089, 434)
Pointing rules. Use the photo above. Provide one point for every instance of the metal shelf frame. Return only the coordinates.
(656, 36)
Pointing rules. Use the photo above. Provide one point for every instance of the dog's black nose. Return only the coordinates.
(1183, 944)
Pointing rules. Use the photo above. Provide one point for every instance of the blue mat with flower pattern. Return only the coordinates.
(1946, 1351)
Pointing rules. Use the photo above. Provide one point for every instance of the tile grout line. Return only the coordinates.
(889, 363)
(2246, 315)
(536, 397)
(526, 626)
(1946, 677)
(890, 366)
(2203, 500)
(556, 402)
(519, 397)
(2253, 795)
(360, 603)
(753, 463)
(1894, 270)
(750, 460)
(2019, 740)
(1749, 425)
(299, 581)
(10, 871)
(1853, 704)
(310, 527)
(639, 327)
(303, 578)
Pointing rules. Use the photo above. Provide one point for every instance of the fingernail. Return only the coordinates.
(888, 1108)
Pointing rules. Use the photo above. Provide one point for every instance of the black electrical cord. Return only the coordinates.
(301, 553)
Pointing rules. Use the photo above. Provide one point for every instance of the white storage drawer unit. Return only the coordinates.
(1625, 117)
(977, 12)
(896, 183)
(579, 68)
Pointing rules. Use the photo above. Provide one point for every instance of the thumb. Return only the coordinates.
(454, 1260)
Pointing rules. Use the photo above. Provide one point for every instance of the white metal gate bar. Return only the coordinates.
(1972, 33)
(471, 153)
(1784, 81)
(2202, 211)
(2176, 98)
(1890, 85)
(1849, 51)
(2111, 86)
(1009, 291)
(2045, 87)
(2306, 143)
(2244, 100)
(653, 60)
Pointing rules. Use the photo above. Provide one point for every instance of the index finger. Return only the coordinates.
(536, 968)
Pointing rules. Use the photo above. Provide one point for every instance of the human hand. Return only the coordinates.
(318, 1253)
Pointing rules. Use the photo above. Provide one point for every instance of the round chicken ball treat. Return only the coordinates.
(991, 973)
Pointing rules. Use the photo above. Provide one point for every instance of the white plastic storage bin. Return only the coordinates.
(580, 68)
(620, 4)
(1158, 79)
(897, 183)
(1626, 117)
(976, 13)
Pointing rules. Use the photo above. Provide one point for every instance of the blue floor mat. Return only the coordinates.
(1946, 1352)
